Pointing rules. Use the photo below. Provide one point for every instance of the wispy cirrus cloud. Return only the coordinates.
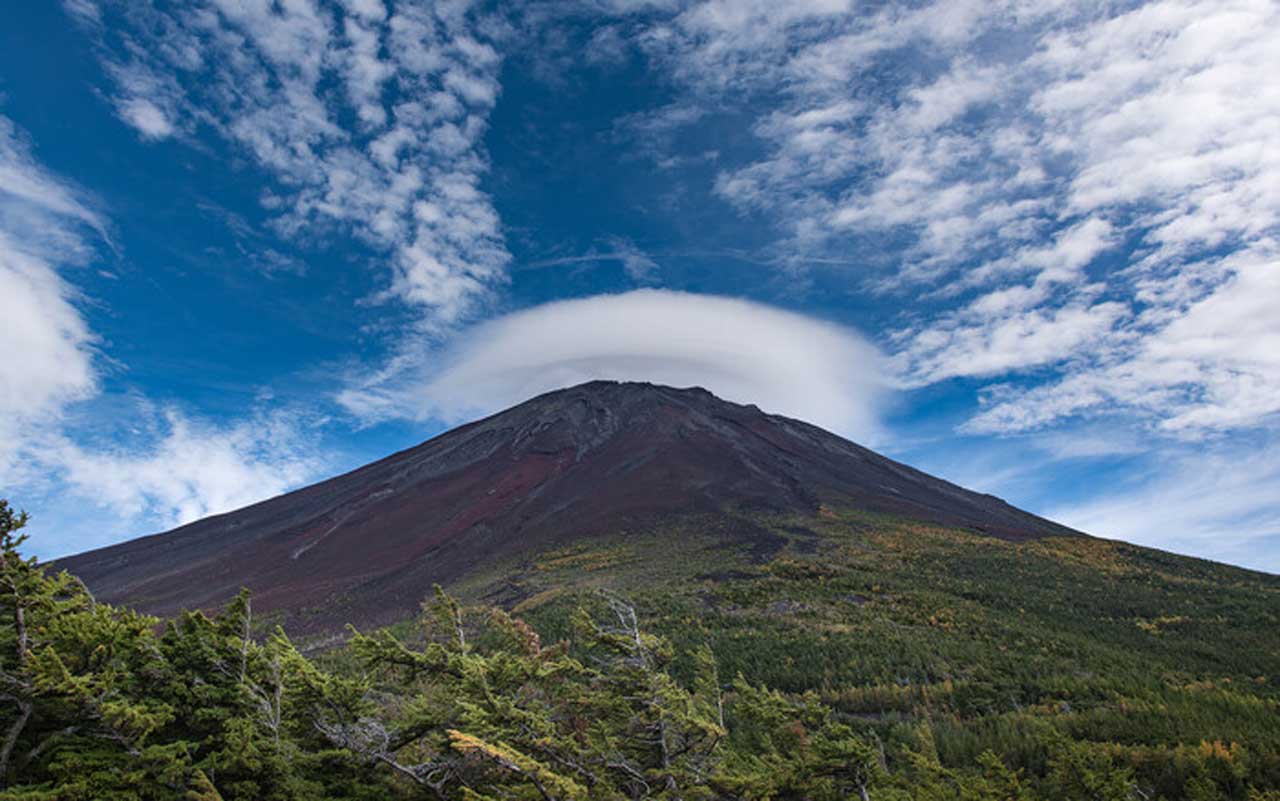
(1078, 191)
(638, 265)
(368, 117)
(90, 480)
(175, 469)
(1209, 501)
(48, 346)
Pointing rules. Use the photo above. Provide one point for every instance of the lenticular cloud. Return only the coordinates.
(742, 351)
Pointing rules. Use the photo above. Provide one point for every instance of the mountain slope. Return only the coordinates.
(937, 623)
(592, 460)
(942, 644)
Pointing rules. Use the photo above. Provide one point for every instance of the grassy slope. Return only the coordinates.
(967, 642)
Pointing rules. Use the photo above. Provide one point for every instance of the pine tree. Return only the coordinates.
(74, 676)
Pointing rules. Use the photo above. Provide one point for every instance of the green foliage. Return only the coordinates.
(1167, 666)
(866, 659)
(78, 721)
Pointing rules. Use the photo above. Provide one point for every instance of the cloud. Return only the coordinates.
(42, 324)
(180, 469)
(1216, 502)
(95, 481)
(1212, 498)
(98, 476)
(1004, 342)
(652, 134)
(743, 351)
(638, 265)
(1210, 365)
(1076, 201)
(175, 468)
(30, 197)
(48, 346)
(368, 119)
(146, 117)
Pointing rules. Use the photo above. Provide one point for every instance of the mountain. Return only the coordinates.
(573, 465)
(943, 626)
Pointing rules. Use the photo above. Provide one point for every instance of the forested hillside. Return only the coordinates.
(847, 656)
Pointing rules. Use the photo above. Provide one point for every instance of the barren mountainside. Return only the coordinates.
(573, 464)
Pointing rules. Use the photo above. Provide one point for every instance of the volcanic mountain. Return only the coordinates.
(597, 459)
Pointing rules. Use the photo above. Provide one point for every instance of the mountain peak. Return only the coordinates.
(591, 460)
(589, 414)
(624, 396)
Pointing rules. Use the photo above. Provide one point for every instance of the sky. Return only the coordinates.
(1031, 246)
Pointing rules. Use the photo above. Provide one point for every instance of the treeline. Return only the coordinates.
(102, 703)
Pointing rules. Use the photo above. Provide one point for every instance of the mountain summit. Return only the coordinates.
(597, 459)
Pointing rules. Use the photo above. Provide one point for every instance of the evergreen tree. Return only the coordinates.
(79, 719)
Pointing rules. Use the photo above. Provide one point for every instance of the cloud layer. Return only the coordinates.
(743, 351)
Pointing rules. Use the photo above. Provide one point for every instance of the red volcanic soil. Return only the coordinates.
(366, 546)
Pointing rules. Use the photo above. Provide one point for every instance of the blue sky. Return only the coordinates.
(1031, 246)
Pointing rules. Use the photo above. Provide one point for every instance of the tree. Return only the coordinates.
(1083, 770)
(454, 716)
(98, 702)
(73, 677)
(233, 697)
(792, 748)
(664, 737)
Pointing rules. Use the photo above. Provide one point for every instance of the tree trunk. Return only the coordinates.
(11, 739)
(24, 704)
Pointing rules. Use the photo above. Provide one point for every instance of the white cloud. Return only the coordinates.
(185, 469)
(638, 265)
(175, 469)
(144, 115)
(1212, 364)
(743, 351)
(281, 81)
(1003, 177)
(1008, 342)
(30, 198)
(728, 43)
(1215, 502)
(110, 477)
(47, 345)
(1212, 498)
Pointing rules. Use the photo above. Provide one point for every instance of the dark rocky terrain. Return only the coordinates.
(592, 460)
